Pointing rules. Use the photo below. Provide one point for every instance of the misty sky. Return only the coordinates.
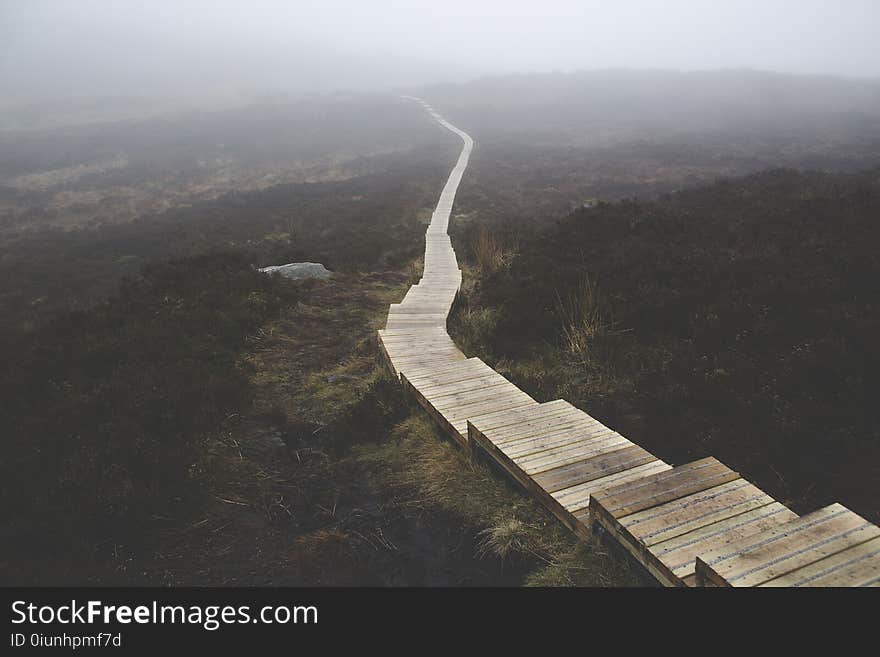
(49, 44)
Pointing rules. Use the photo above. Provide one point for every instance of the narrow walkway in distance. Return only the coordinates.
(699, 523)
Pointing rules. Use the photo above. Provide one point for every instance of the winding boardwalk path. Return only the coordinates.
(699, 523)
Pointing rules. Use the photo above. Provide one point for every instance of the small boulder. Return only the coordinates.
(299, 270)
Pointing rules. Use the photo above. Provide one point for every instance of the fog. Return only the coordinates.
(217, 48)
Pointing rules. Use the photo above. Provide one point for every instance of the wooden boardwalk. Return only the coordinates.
(698, 523)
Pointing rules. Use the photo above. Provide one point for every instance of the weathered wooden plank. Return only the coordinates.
(411, 365)
(601, 460)
(545, 426)
(413, 344)
(675, 557)
(612, 458)
(507, 430)
(787, 548)
(477, 409)
(679, 554)
(577, 497)
(555, 439)
(436, 376)
(478, 395)
(439, 375)
(414, 338)
(685, 514)
(490, 422)
(456, 380)
(632, 497)
(426, 356)
(529, 427)
(572, 453)
(405, 320)
(486, 382)
(855, 566)
(457, 372)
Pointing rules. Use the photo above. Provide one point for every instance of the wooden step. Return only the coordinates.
(829, 547)
(666, 520)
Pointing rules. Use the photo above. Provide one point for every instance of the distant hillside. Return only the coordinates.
(548, 143)
(585, 106)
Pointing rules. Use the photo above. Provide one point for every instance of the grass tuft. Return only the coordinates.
(489, 252)
(584, 321)
(503, 538)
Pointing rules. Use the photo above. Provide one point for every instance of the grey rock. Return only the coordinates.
(299, 270)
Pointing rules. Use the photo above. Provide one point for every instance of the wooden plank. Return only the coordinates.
(403, 317)
(679, 554)
(422, 350)
(398, 333)
(479, 408)
(427, 355)
(490, 387)
(398, 321)
(468, 365)
(424, 308)
(666, 521)
(413, 345)
(676, 556)
(448, 378)
(415, 365)
(577, 497)
(519, 417)
(483, 407)
(443, 374)
(478, 395)
(556, 426)
(550, 440)
(425, 352)
(419, 337)
(550, 444)
(601, 460)
(488, 382)
(855, 566)
(528, 426)
(784, 549)
(734, 549)
(505, 429)
(492, 422)
(461, 381)
(451, 375)
(572, 453)
(608, 508)
(616, 458)
(657, 489)
(416, 318)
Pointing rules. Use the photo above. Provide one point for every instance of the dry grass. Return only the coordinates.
(489, 252)
(472, 327)
(584, 321)
(415, 270)
(349, 499)
(431, 474)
